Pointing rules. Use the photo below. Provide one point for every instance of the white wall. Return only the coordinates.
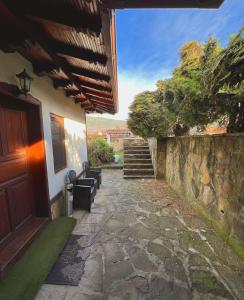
(53, 101)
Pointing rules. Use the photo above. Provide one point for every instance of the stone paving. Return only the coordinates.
(146, 243)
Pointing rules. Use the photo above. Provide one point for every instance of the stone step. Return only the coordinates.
(137, 161)
(138, 171)
(136, 151)
(138, 166)
(141, 156)
(135, 142)
(136, 148)
(139, 177)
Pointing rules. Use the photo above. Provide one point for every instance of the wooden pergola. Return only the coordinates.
(74, 42)
(120, 4)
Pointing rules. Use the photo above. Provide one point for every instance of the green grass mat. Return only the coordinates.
(23, 281)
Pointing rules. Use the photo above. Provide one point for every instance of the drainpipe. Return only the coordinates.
(86, 138)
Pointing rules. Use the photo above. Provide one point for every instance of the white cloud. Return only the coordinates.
(130, 84)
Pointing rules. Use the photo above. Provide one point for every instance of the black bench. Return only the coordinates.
(84, 191)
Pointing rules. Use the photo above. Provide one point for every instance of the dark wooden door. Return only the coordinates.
(16, 195)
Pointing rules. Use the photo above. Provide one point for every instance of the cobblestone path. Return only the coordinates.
(148, 244)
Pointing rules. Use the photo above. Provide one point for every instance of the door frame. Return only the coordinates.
(36, 150)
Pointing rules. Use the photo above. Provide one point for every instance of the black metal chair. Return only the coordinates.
(84, 191)
(93, 172)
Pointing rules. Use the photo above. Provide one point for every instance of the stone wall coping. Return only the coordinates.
(212, 136)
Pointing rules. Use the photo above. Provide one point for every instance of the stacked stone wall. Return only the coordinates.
(208, 172)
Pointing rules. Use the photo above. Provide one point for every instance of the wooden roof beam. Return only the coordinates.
(75, 93)
(42, 68)
(121, 4)
(45, 68)
(88, 73)
(104, 108)
(37, 34)
(99, 96)
(99, 111)
(98, 93)
(80, 53)
(79, 98)
(107, 100)
(109, 35)
(61, 83)
(61, 12)
(65, 83)
(102, 102)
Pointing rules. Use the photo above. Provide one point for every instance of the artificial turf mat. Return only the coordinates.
(23, 281)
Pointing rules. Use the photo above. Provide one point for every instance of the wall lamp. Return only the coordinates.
(24, 82)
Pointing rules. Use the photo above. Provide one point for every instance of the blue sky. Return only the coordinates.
(148, 42)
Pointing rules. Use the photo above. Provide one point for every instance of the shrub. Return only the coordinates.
(100, 152)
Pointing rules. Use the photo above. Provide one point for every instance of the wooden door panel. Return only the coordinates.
(12, 168)
(17, 199)
(20, 195)
(14, 131)
(5, 225)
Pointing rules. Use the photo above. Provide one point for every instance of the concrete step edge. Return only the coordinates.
(143, 146)
(139, 177)
(137, 151)
(135, 164)
(141, 170)
(131, 155)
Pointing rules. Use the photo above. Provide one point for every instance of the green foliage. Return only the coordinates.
(207, 86)
(223, 84)
(121, 154)
(147, 118)
(190, 54)
(99, 152)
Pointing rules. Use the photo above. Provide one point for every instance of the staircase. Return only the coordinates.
(137, 159)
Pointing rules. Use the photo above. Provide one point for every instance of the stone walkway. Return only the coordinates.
(148, 244)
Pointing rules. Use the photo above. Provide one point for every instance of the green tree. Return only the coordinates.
(223, 80)
(147, 118)
(182, 93)
(207, 86)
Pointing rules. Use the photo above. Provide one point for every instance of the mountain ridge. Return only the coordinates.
(95, 123)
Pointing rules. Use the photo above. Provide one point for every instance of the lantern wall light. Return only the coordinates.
(24, 82)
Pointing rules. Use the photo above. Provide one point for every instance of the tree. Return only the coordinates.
(147, 118)
(183, 90)
(223, 80)
(190, 54)
(207, 86)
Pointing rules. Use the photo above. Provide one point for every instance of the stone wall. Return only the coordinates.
(57, 205)
(158, 155)
(208, 172)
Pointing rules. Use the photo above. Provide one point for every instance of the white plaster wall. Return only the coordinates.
(53, 101)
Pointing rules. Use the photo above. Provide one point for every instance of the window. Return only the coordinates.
(58, 140)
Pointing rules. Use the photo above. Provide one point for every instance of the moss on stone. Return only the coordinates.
(237, 245)
(223, 231)
(205, 282)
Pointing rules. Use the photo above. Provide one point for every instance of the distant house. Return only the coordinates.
(95, 134)
(115, 137)
(215, 129)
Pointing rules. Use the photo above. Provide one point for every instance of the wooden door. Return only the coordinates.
(16, 195)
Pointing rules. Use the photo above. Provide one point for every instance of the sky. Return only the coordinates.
(148, 43)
